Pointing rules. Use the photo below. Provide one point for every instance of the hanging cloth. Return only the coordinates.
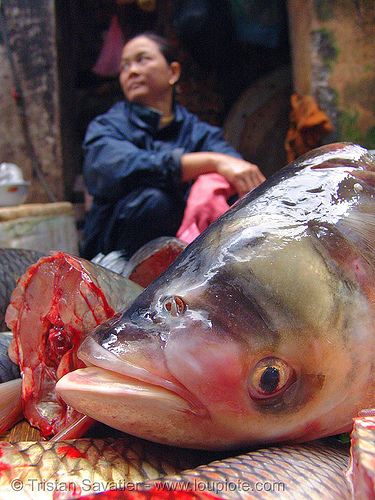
(108, 62)
(308, 125)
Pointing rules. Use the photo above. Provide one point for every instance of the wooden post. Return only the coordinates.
(30, 121)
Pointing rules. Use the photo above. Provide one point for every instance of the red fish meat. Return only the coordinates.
(57, 302)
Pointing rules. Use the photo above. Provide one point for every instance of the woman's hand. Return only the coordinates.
(242, 175)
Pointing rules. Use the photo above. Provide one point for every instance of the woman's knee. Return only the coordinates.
(154, 206)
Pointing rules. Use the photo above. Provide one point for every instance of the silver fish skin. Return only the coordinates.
(261, 331)
(13, 263)
(8, 369)
(309, 471)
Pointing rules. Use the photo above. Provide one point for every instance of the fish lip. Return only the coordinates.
(104, 359)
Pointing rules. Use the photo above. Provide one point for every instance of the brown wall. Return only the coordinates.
(333, 53)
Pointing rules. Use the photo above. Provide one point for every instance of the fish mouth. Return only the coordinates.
(104, 367)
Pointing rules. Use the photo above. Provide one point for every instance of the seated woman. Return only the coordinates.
(141, 157)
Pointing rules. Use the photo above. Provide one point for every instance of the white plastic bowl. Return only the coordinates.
(13, 193)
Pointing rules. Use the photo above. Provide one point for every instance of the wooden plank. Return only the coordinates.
(35, 210)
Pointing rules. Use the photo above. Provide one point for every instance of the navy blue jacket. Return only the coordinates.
(124, 150)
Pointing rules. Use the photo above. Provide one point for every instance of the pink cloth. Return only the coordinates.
(108, 63)
(207, 200)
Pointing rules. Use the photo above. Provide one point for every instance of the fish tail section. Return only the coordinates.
(152, 259)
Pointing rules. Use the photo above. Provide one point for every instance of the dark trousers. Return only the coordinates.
(137, 218)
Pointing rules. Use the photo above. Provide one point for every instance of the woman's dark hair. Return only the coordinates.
(165, 46)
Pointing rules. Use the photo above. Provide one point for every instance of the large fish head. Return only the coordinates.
(250, 337)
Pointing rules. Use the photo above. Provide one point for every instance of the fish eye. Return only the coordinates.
(269, 377)
(175, 306)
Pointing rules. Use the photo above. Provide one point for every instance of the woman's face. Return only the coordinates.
(146, 78)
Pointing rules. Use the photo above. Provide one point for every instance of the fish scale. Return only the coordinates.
(87, 464)
(312, 471)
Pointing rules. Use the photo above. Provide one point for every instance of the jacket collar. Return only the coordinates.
(147, 118)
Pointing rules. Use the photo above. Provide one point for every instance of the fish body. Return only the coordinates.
(302, 472)
(71, 469)
(152, 493)
(147, 263)
(140, 469)
(261, 331)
